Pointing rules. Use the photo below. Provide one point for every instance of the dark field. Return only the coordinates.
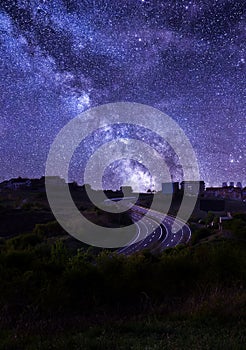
(58, 293)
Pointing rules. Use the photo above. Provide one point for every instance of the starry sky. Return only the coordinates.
(61, 57)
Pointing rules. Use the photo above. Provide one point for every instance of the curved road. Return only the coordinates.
(154, 232)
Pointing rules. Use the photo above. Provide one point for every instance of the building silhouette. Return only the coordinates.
(193, 187)
(170, 187)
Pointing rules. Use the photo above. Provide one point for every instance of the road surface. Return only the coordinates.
(155, 233)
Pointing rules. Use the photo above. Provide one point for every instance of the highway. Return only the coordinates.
(155, 233)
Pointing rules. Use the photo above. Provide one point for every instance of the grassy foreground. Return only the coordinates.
(185, 298)
(56, 293)
(152, 333)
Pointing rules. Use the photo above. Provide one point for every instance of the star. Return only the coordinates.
(186, 58)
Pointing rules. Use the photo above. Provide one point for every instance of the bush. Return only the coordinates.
(50, 279)
(20, 260)
(200, 234)
(237, 225)
(59, 253)
(23, 241)
(209, 218)
(48, 230)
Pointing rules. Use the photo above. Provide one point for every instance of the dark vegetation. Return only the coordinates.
(93, 299)
(57, 293)
(237, 225)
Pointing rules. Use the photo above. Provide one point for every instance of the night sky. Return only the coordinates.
(186, 58)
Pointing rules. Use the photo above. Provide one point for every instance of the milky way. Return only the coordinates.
(186, 58)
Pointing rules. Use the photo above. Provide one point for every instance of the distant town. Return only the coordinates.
(228, 190)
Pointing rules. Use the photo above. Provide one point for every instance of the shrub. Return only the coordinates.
(237, 225)
(200, 234)
(49, 229)
(59, 253)
(21, 260)
(23, 241)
